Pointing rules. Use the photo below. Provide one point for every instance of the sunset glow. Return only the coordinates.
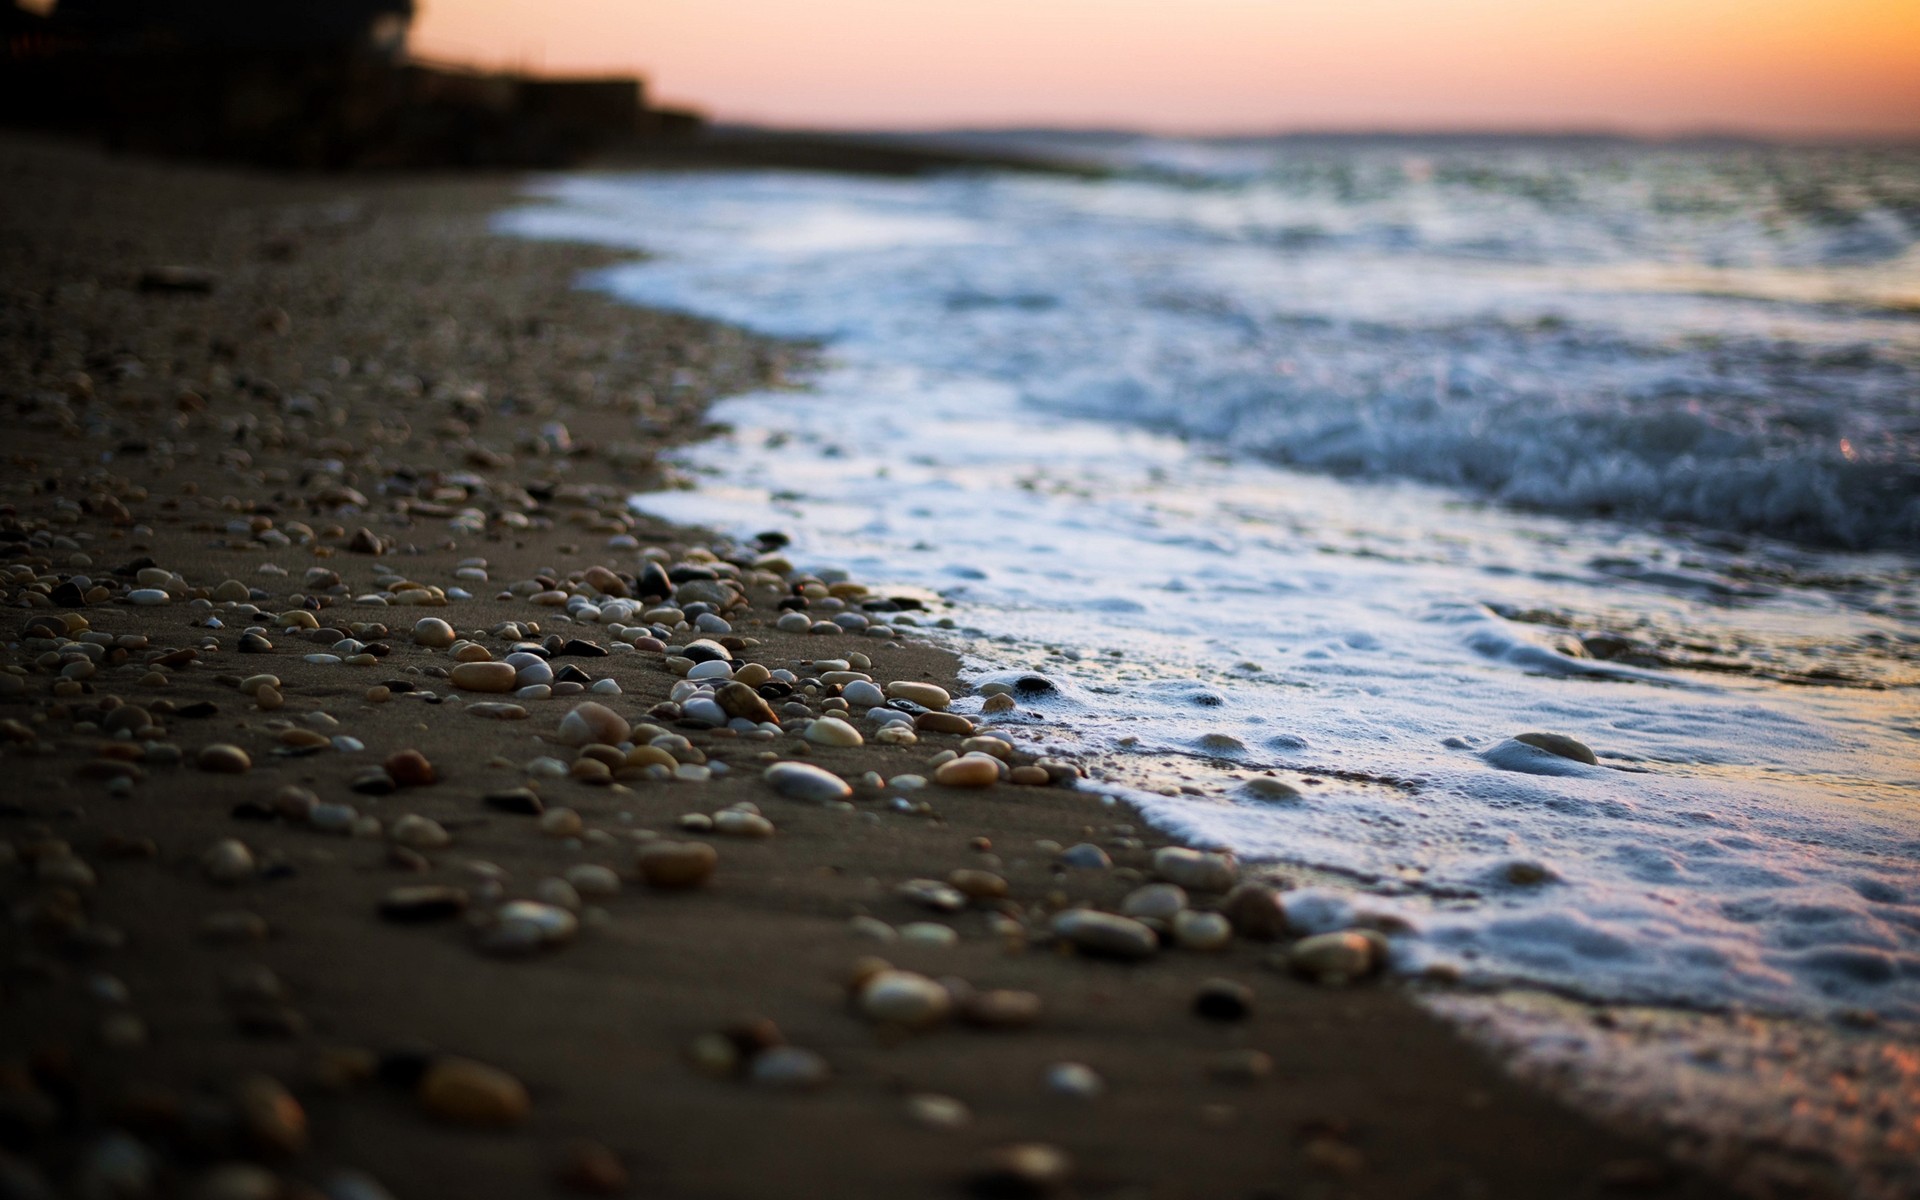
(1800, 67)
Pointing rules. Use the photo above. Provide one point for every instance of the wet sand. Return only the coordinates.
(362, 355)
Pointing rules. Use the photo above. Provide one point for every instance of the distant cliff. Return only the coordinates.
(304, 84)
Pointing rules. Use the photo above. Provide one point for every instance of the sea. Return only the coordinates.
(1308, 472)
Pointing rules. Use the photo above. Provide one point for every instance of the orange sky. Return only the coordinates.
(1807, 67)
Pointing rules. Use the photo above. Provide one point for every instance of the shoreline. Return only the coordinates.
(125, 1024)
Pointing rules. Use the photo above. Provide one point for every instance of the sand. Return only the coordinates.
(375, 323)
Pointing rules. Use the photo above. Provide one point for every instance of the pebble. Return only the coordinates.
(591, 1168)
(1254, 911)
(676, 865)
(1023, 1171)
(905, 999)
(968, 771)
(804, 781)
(519, 921)
(593, 880)
(789, 1068)
(483, 676)
(1333, 958)
(560, 822)
(1204, 931)
(1085, 856)
(1560, 744)
(434, 633)
(1105, 935)
(1195, 870)
(1223, 1000)
(832, 731)
(1240, 1066)
(409, 768)
(926, 695)
(929, 933)
(863, 693)
(473, 1093)
(593, 723)
(228, 861)
(148, 597)
(931, 893)
(1075, 1079)
(1001, 1008)
(938, 1112)
(272, 1119)
(977, 885)
(224, 759)
(734, 823)
(1156, 901)
(420, 833)
(415, 905)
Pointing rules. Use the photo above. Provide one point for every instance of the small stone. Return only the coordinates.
(1086, 856)
(224, 759)
(228, 861)
(1075, 1079)
(1254, 911)
(591, 723)
(434, 633)
(472, 1093)
(420, 833)
(942, 722)
(601, 580)
(1001, 1008)
(904, 999)
(803, 781)
(409, 768)
(365, 541)
(789, 1068)
(1024, 1171)
(272, 1119)
(520, 801)
(521, 922)
(1205, 931)
(148, 597)
(1195, 870)
(417, 905)
(590, 1168)
(938, 1112)
(673, 866)
(1223, 1000)
(968, 771)
(1333, 958)
(931, 893)
(1105, 935)
(977, 885)
(561, 822)
(734, 823)
(1156, 901)
(832, 731)
(1560, 744)
(593, 880)
(740, 701)
(483, 676)
(1240, 1066)
(926, 695)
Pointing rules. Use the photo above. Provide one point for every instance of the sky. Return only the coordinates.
(1787, 67)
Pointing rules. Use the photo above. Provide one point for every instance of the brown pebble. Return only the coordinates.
(1001, 1008)
(378, 695)
(942, 722)
(473, 1093)
(224, 759)
(273, 1120)
(1253, 909)
(483, 676)
(592, 1169)
(968, 771)
(410, 768)
(675, 865)
(977, 885)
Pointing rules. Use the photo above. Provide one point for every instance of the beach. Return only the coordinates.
(237, 398)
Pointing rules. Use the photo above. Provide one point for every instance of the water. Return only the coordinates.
(1338, 465)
